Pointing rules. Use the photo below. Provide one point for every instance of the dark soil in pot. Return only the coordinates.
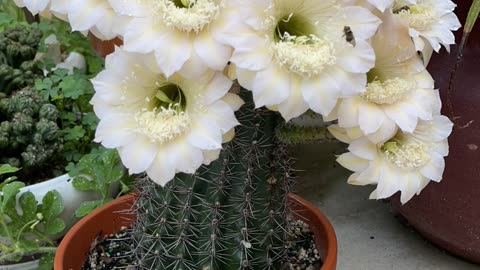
(115, 250)
(112, 217)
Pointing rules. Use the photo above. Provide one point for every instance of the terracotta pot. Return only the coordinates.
(111, 217)
(448, 213)
(104, 47)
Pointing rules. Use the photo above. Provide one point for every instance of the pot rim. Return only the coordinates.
(329, 262)
(52, 182)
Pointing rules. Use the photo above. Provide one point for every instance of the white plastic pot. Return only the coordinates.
(72, 198)
(32, 265)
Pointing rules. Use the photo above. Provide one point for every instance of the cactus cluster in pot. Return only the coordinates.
(29, 131)
(215, 196)
(18, 48)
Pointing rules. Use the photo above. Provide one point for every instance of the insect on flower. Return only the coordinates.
(348, 34)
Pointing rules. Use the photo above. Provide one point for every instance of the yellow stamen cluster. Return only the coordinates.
(162, 124)
(193, 18)
(420, 17)
(389, 91)
(305, 56)
(406, 155)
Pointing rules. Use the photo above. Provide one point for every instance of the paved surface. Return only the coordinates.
(369, 235)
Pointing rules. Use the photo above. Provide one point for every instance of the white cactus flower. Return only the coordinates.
(296, 55)
(34, 6)
(181, 33)
(399, 90)
(429, 20)
(44, 7)
(96, 16)
(161, 125)
(405, 163)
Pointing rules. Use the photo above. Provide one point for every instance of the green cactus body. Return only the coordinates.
(29, 133)
(19, 44)
(230, 214)
(18, 47)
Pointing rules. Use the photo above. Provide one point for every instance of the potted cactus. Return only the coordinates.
(217, 177)
(232, 213)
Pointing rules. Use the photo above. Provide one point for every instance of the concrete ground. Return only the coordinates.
(369, 236)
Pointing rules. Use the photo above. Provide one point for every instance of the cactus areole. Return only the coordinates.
(231, 214)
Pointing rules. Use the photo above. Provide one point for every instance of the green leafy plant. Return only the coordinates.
(98, 171)
(26, 224)
(71, 95)
(10, 14)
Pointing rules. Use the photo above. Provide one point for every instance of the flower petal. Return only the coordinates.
(271, 86)
(214, 54)
(352, 162)
(434, 169)
(363, 148)
(138, 155)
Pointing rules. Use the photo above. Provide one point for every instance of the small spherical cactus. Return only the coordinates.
(21, 123)
(47, 130)
(49, 112)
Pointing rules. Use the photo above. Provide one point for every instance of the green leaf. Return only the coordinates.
(39, 84)
(5, 19)
(55, 226)
(90, 120)
(52, 205)
(46, 262)
(87, 207)
(73, 87)
(10, 191)
(7, 168)
(69, 116)
(61, 72)
(83, 184)
(28, 203)
(74, 133)
(28, 245)
(472, 16)
(47, 83)
(8, 180)
(53, 92)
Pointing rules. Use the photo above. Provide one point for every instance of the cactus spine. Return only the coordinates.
(229, 215)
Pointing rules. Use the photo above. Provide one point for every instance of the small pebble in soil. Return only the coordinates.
(114, 251)
(302, 251)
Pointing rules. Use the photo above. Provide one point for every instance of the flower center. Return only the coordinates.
(389, 91)
(305, 56)
(405, 154)
(187, 15)
(419, 17)
(164, 117)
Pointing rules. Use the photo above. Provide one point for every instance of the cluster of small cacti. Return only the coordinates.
(29, 134)
(18, 47)
(230, 214)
